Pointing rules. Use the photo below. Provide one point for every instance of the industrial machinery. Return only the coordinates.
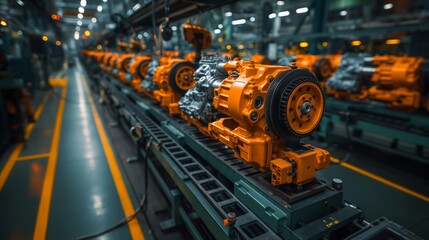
(268, 137)
(229, 103)
(323, 66)
(348, 82)
(260, 113)
(372, 101)
(174, 76)
(293, 204)
(398, 81)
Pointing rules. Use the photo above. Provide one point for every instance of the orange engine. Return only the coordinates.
(123, 66)
(138, 69)
(262, 59)
(173, 77)
(396, 81)
(322, 66)
(270, 108)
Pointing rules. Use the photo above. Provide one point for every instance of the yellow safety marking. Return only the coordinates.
(10, 163)
(37, 114)
(35, 156)
(60, 82)
(127, 206)
(380, 179)
(48, 182)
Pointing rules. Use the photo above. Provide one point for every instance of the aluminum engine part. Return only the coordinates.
(197, 102)
(147, 82)
(349, 76)
(286, 60)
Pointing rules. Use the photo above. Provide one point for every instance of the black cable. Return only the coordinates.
(142, 204)
(117, 225)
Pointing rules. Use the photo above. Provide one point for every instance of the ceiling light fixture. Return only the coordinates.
(302, 10)
(238, 22)
(284, 14)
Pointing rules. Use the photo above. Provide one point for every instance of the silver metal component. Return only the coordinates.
(337, 183)
(147, 82)
(348, 77)
(128, 77)
(286, 60)
(306, 108)
(197, 102)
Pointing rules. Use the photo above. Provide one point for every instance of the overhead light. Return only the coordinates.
(58, 43)
(45, 38)
(20, 2)
(280, 3)
(87, 33)
(104, 0)
(136, 7)
(79, 23)
(139, 36)
(174, 28)
(80, 15)
(302, 10)
(238, 21)
(94, 20)
(77, 28)
(228, 14)
(388, 6)
(146, 34)
(81, 10)
(241, 46)
(252, 19)
(228, 47)
(90, 26)
(284, 14)
(272, 15)
(76, 35)
(303, 44)
(19, 32)
(220, 26)
(3, 23)
(394, 41)
(325, 44)
(355, 43)
(99, 8)
(83, 3)
(216, 31)
(343, 13)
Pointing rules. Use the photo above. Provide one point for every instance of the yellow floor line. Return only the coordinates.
(133, 225)
(37, 114)
(35, 156)
(10, 163)
(48, 182)
(380, 179)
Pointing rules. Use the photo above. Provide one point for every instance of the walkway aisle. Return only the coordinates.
(73, 186)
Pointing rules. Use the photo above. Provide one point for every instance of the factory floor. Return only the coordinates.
(69, 178)
(64, 181)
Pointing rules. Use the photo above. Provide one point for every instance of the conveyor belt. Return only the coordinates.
(248, 225)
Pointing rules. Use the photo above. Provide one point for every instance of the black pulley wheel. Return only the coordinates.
(294, 104)
(181, 77)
